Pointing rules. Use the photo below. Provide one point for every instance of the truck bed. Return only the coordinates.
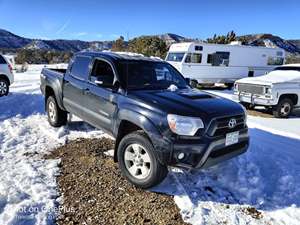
(53, 78)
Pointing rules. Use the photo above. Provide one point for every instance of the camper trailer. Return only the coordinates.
(218, 63)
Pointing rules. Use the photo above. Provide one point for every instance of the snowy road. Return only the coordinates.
(267, 177)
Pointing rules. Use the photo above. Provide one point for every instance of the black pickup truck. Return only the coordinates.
(156, 117)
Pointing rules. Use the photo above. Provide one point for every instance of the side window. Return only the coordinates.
(2, 60)
(80, 67)
(275, 61)
(102, 73)
(218, 59)
(193, 58)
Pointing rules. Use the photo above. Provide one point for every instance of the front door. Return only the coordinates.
(100, 99)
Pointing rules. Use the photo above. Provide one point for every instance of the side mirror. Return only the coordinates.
(104, 81)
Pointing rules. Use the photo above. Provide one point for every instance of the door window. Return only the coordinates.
(103, 73)
(80, 67)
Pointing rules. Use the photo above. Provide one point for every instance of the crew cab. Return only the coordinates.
(278, 90)
(157, 119)
(6, 76)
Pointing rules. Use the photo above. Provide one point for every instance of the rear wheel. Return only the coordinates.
(138, 162)
(4, 87)
(56, 116)
(284, 108)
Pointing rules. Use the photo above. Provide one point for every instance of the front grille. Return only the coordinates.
(250, 88)
(220, 126)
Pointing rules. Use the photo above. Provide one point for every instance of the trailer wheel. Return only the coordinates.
(229, 85)
(284, 108)
(247, 105)
(56, 116)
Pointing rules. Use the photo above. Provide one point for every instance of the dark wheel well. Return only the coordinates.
(49, 92)
(125, 128)
(293, 97)
(5, 78)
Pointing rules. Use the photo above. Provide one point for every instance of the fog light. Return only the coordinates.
(180, 156)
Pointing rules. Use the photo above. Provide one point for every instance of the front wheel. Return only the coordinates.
(283, 109)
(56, 116)
(4, 87)
(138, 162)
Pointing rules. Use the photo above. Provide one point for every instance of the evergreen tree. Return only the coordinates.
(119, 45)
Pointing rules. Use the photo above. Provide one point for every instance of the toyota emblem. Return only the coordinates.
(232, 123)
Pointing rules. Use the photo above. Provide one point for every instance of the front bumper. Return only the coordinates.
(254, 99)
(206, 151)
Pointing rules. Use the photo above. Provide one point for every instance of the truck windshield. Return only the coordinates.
(175, 56)
(153, 75)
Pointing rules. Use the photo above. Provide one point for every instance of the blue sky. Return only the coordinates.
(106, 20)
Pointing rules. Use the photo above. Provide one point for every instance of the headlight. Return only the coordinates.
(183, 125)
(236, 87)
(268, 90)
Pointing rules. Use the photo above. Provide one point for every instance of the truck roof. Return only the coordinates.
(119, 56)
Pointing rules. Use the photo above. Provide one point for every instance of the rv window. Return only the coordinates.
(209, 58)
(218, 59)
(177, 57)
(275, 61)
(198, 48)
(193, 58)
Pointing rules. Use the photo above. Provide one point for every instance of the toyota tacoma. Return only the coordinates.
(157, 119)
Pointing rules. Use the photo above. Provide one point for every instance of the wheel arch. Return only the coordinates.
(129, 122)
(50, 91)
(293, 97)
(2, 76)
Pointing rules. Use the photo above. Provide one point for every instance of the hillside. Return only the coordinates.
(11, 41)
(269, 40)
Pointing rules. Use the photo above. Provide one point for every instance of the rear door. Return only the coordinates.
(101, 99)
(75, 84)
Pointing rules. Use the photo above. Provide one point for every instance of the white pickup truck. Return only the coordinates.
(278, 90)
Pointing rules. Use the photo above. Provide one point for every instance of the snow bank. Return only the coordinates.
(28, 189)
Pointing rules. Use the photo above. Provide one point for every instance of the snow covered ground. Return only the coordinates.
(267, 177)
(27, 181)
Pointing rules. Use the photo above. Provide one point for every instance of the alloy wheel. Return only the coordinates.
(137, 161)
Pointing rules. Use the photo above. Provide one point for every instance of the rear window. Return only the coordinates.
(80, 67)
(175, 57)
(2, 60)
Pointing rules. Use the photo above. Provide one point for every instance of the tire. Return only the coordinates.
(144, 171)
(4, 87)
(56, 116)
(284, 108)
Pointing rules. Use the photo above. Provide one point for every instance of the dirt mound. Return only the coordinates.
(94, 192)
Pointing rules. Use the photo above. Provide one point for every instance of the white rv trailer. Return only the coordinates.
(218, 63)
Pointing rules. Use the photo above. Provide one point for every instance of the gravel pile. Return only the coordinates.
(94, 192)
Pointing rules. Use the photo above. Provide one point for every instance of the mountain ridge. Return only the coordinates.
(9, 40)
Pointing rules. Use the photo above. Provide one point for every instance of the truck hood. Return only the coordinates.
(273, 77)
(188, 102)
